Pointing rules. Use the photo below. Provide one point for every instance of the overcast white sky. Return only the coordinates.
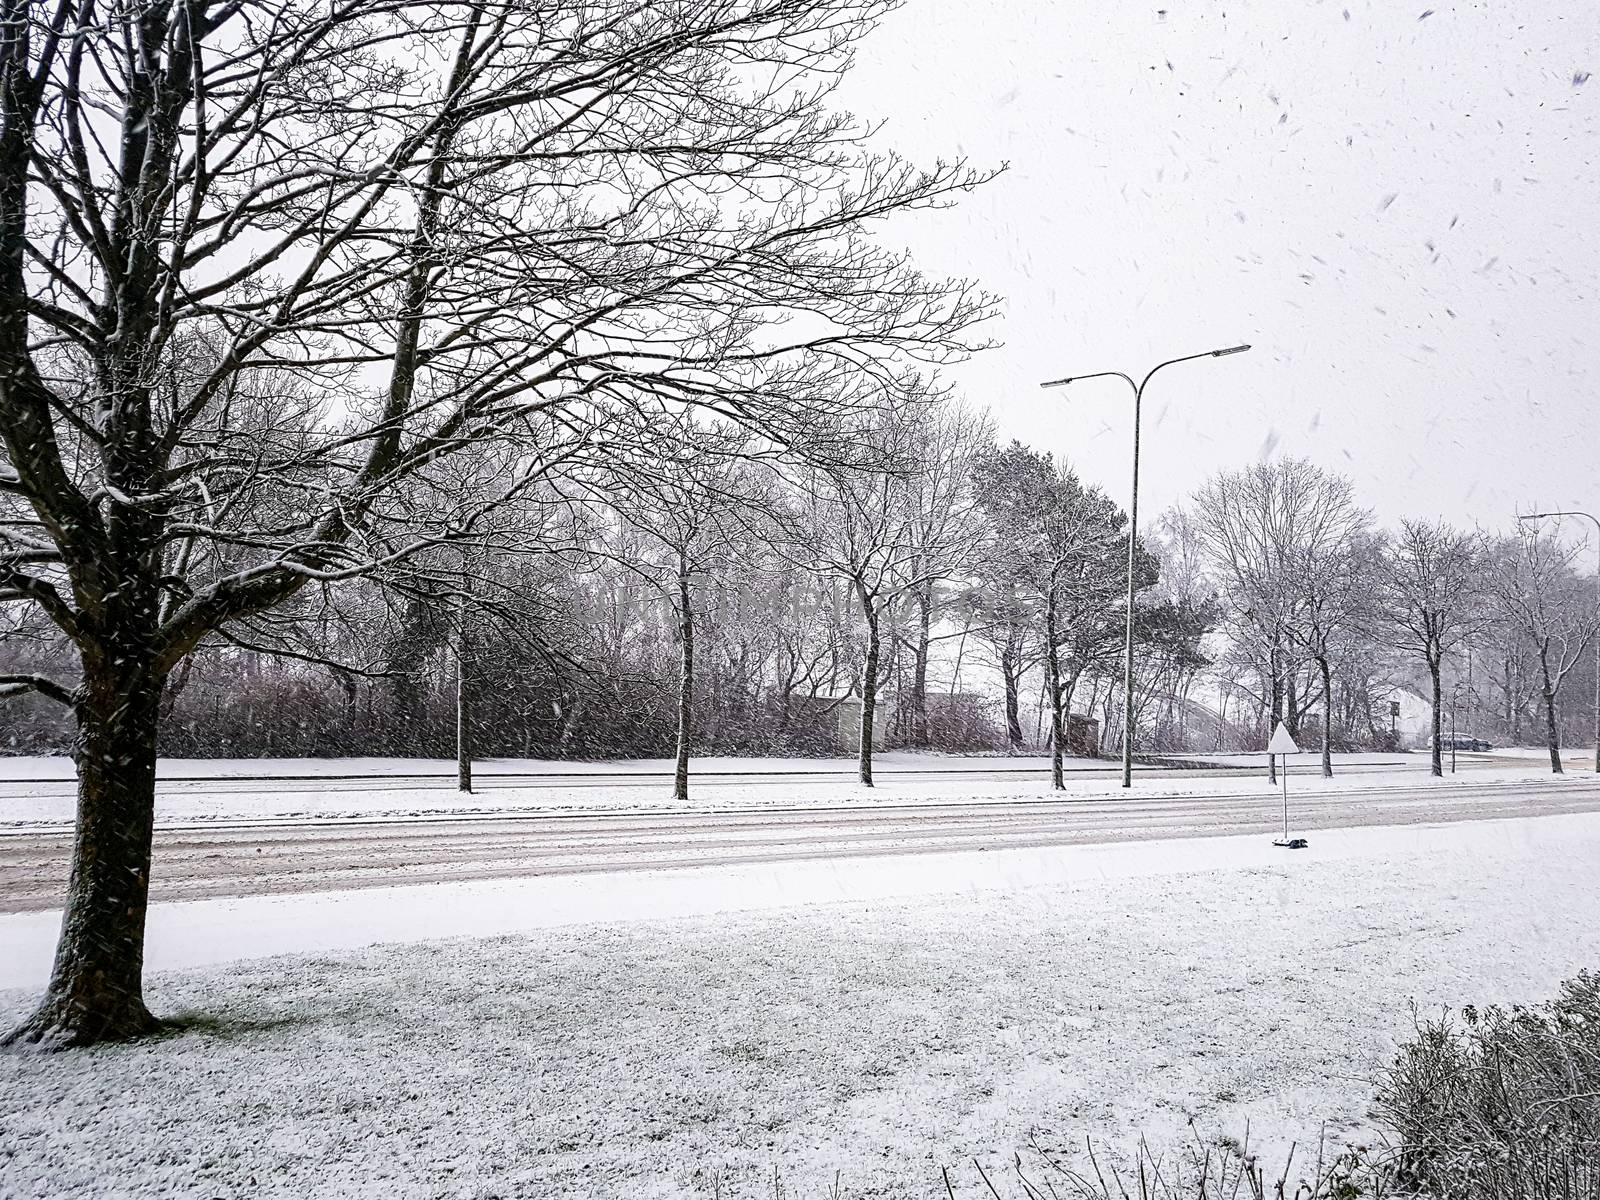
(1397, 202)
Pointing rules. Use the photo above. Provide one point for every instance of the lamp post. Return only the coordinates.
(1133, 531)
(1596, 520)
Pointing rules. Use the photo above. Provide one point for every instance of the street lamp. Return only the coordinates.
(1596, 520)
(1133, 531)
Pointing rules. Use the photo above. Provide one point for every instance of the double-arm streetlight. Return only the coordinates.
(1596, 520)
(1133, 532)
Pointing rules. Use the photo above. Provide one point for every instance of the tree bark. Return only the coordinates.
(1327, 717)
(175, 686)
(1052, 662)
(1512, 727)
(1551, 732)
(355, 731)
(680, 773)
(1437, 765)
(96, 989)
(1273, 669)
(571, 727)
(1011, 677)
(919, 668)
(869, 694)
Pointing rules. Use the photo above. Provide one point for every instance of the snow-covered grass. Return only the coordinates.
(197, 933)
(56, 766)
(879, 1038)
(339, 789)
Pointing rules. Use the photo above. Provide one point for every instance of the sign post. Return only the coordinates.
(1282, 743)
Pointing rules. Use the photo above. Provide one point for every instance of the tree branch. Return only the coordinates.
(19, 685)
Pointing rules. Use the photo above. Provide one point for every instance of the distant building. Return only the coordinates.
(954, 718)
(1082, 736)
(1409, 714)
(847, 716)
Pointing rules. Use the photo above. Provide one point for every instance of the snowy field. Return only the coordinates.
(25, 767)
(56, 766)
(37, 793)
(852, 1026)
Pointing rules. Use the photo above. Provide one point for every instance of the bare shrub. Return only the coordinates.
(1504, 1105)
(1228, 1170)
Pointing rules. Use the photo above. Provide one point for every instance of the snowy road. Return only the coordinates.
(223, 859)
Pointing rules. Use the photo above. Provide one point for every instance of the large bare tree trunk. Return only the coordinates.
(1052, 671)
(919, 671)
(355, 731)
(869, 696)
(1512, 722)
(1551, 732)
(1437, 764)
(680, 773)
(1327, 717)
(1274, 669)
(96, 990)
(571, 726)
(1013, 685)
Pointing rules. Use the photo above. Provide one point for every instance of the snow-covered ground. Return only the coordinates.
(873, 1018)
(37, 793)
(56, 766)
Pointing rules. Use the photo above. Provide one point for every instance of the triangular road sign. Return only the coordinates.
(1281, 742)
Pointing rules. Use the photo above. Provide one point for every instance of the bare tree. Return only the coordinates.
(266, 265)
(898, 520)
(814, 635)
(1506, 659)
(1540, 592)
(1005, 621)
(1433, 599)
(1335, 562)
(1283, 540)
(943, 527)
(693, 493)
(1181, 621)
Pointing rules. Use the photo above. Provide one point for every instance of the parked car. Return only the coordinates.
(1462, 742)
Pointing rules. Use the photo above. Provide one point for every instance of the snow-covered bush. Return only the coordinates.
(1504, 1105)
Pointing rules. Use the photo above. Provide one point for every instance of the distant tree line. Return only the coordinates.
(711, 599)
(701, 593)
(1327, 619)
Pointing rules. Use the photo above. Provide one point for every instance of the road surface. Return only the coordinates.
(262, 858)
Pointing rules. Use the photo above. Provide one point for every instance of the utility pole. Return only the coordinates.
(463, 698)
(1133, 531)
